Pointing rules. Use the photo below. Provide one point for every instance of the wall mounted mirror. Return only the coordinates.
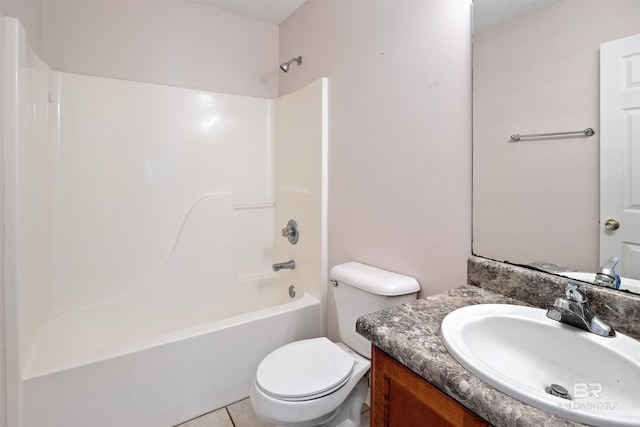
(536, 70)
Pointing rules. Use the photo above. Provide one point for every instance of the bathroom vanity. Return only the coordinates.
(399, 397)
(413, 369)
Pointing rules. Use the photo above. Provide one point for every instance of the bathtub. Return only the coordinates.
(123, 246)
(105, 371)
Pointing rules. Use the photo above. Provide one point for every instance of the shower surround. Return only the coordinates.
(141, 225)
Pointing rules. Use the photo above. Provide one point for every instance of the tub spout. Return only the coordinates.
(291, 265)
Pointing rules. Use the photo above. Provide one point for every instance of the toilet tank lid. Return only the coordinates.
(374, 280)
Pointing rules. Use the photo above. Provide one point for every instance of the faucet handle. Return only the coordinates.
(291, 232)
(607, 276)
(575, 292)
(609, 266)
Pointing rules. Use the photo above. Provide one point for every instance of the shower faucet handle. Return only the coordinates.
(286, 232)
(291, 232)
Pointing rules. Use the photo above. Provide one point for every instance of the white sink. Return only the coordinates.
(631, 285)
(520, 351)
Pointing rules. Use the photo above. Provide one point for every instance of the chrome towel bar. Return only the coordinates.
(586, 132)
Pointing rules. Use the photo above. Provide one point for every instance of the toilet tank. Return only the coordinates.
(360, 289)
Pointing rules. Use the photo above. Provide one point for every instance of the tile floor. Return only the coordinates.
(240, 414)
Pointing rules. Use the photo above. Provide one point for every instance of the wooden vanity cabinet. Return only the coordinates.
(400, 398)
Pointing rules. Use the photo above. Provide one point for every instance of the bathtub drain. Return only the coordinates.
(292, 291)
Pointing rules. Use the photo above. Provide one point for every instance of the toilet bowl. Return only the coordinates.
(309, 383)
(316, 382)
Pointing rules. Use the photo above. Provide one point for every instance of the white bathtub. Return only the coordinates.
(104, 371)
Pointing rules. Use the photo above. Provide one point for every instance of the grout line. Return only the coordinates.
(226, 408)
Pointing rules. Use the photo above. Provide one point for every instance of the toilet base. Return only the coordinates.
(341, 408)
(350, 411)
(348, 414)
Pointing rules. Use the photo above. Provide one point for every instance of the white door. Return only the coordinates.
(620, 153)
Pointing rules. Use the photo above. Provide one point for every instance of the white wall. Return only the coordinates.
(539, 200)
(399, 130)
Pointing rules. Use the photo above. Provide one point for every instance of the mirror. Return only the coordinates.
(536, 70)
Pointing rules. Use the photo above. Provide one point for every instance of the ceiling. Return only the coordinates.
(486, 13)
(491, 13)
(273, 11)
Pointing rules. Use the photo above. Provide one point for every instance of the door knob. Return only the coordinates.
(611, 224)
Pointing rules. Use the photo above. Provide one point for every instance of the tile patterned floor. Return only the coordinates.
(240, 414)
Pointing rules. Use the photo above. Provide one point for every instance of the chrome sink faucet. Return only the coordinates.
(606, 275)
(291, 265)
(574, 310)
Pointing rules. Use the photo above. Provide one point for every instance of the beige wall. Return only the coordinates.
(539, 200)
(29, 13)
(399, 131)
(172, 42)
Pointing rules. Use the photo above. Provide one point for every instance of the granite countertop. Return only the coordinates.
(410, 333)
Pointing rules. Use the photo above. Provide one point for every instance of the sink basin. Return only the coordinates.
(630, 285)
(521, 352)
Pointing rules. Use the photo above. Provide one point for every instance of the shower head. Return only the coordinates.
(285, 65)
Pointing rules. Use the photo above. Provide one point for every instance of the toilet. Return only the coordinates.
(316, 382)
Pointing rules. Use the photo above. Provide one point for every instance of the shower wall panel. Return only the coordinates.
(33, 196)
(27, 207)
(301, 135)
(27, 186)
(133, 160)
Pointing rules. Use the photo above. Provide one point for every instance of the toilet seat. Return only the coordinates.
(304, 370)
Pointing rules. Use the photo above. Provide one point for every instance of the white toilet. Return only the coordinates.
(317, 382)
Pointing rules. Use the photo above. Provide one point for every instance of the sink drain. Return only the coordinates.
(558, 390)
